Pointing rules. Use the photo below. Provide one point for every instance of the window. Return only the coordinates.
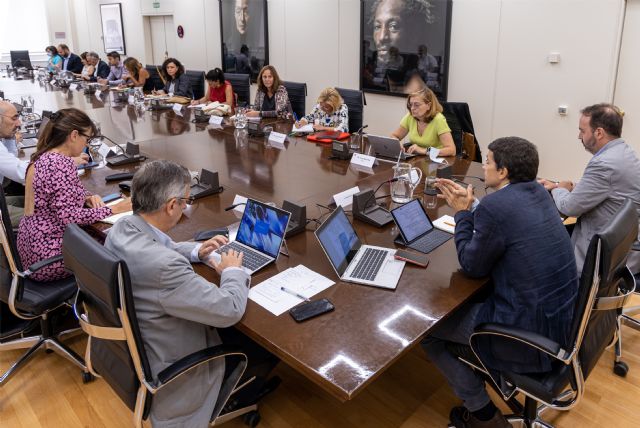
(23, 26)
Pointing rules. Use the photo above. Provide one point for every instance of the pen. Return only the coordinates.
(449, 224)
(293, 293)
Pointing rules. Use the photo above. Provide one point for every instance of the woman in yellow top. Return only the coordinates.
(426, 125)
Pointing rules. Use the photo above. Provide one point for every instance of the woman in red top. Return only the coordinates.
(218, 90)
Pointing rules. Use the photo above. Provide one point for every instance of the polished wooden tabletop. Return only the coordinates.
(370, 328)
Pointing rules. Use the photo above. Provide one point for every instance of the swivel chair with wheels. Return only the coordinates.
(31, 304)
(116, 351)
(604, 287)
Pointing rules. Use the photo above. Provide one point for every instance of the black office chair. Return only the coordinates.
(240, 84)
(298, 97)
(197, 83)
(604, 287)
(459, 120)
(154, 82)
(116, 350)
(30, 303)
(355, 101)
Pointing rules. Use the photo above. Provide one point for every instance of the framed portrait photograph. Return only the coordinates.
(244, 35)
(403, 42)
(112, 29)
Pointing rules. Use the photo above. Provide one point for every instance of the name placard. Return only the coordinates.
(344, 199)
(277, 137)
(362, 160)
(215, 120)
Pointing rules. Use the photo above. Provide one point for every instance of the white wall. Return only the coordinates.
(498, 61)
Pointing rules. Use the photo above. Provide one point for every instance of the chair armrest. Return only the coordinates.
(526, 337)
(39, 265)
(195, 359)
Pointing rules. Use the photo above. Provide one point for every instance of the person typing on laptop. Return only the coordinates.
(179, 311)
(516, 237)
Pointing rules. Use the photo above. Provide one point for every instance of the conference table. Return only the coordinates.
(341, 351)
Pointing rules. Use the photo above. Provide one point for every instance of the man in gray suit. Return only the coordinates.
(611, 176)
(176, 307)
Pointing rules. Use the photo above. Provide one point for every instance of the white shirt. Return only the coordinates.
(10, 166)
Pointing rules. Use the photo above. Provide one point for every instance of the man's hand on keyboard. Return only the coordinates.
(229, 258)
(211, 245)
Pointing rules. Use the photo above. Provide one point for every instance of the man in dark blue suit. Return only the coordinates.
(515, 236)
(70, 61)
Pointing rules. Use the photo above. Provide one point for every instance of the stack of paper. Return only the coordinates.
(115, 217)
(308, 128)
(299, 280)
(445, 223)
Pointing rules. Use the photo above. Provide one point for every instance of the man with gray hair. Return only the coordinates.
(11, 168)
(101, 69)
(176, 307)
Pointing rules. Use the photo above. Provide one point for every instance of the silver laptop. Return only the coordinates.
(354, 262)
(387, 147)
(260, 235)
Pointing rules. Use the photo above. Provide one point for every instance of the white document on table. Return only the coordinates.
(300, 280)
(308, 128)
(115, 217)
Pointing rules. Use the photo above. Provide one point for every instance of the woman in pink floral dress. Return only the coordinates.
(54, 196)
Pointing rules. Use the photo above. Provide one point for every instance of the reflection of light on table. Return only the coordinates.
(406, 309)
(360, 371)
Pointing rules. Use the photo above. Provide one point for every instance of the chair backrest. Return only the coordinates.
(241, 84)
(197, 82)
(355, 101)
(606, 259)
(154, 82)
(297, 96)
(104, 291)
(459, 120)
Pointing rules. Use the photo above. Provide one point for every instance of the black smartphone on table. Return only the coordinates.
(311, 309)
(419, 259)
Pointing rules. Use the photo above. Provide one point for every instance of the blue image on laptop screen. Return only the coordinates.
(262, 227)
(339, 240)
(412, 220)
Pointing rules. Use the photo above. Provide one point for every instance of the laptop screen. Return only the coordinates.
(262, 227)
(338, 240)
(412, 220)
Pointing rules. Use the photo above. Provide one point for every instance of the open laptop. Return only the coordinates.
(31, 140)
(387, 147)
(354, 262)
(260, 235)
(416, 230)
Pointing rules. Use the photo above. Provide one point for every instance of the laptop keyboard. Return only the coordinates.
(369, 264)
(251, 259)
(430, 241)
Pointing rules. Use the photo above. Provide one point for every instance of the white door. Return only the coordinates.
(163, 39)
(627, 95)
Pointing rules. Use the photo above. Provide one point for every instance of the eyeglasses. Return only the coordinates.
(91, 139)
(416, 105)
(187, 201)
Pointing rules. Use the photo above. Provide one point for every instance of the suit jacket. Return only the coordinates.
(515, 235)
(182, 86)
(102, 71)
(176, 310)
(611, 176)
(74, 64)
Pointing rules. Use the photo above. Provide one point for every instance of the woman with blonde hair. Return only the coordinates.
(272, 99)
(137, 76)
(330, 114)
(426, 125)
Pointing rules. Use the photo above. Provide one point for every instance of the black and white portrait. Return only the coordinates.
(405, 43)
(243, 26)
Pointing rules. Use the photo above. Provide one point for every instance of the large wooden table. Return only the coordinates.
(371, 328)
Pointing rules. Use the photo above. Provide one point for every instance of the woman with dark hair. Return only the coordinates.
(219, 90)
(272, 99)
(55, 60)
(137, 76)
(176, 82)
(54, 196)
(87, 69)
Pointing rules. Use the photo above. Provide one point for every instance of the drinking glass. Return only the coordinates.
(241, 118)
